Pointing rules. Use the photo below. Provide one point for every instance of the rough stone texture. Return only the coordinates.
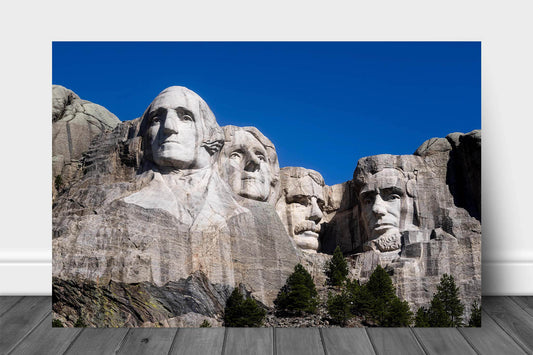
(315, 264)
(150, 231)
(75, 123)
(125, 222)
(249, 164)
(185, 302)
(341, 219)
(438, 217)
(301, 206)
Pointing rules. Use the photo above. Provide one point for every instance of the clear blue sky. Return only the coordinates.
(323, 104)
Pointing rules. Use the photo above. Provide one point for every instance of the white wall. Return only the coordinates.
(25, 179)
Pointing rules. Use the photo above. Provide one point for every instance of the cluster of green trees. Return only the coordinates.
(296, 298)
(375, 301)
(446, 309)
(242, 312)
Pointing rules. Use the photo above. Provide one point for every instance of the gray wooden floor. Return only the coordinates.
(25, 328)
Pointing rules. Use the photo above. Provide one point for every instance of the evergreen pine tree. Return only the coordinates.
(437, 314)
(240, 312)
(233, 308)
(475, 317)
(298, 295)
(360, 298)
(380, 284)
(377, 299)
(382, 291)
(399, 314)
(446, 307)
(253, 313)
(339, 308)
(422, 318)
(337, 268)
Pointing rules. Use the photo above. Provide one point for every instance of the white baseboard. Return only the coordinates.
(507, 278)
(31, 279)
(25, 273)
(19, 275)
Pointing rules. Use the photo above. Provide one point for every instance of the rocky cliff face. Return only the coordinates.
(434, 228)
(125, 223)
(149, 231)
(75, 123)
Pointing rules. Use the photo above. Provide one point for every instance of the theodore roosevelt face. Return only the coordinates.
(305, 201)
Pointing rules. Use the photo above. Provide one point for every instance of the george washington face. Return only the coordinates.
(174, 133)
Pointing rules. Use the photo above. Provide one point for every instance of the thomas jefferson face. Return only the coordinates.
(247, 166)
(173, 132)
(381, 203)
(305, 202)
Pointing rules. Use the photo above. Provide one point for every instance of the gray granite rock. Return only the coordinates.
(145, 213)
(249, 164)
(156, 228)
(418, 215)
(301, 206)
(182, 303)
(75, 123)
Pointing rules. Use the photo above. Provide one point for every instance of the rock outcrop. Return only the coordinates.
(75, 123)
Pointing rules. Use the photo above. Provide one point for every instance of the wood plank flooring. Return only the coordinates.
(26, 328)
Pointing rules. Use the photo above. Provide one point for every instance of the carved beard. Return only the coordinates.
(387, 242)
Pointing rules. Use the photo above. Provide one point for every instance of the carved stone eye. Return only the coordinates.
(392, 197)
(368, 200)
(302, 200)
(186, 118)
(235, 156)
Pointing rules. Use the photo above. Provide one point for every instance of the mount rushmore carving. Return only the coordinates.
(162, 216)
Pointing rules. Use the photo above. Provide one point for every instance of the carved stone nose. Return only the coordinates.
(315, 214)
(378, 207)
(171, 123)
(252, 164)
